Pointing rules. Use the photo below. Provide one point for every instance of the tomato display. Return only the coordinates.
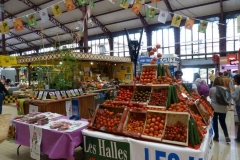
(159, 97)
(135, 122)
(180, 97)
(177, 132)
(148, 74)
(207, 106)
(195, 96)
(154, 125)
(107, 120)
(178, 107)
(162, 80)
(137, 106)
(124, 94)
(141, 94)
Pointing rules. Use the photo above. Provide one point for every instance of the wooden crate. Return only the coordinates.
(155, 88)
(147, 66)
(193, 108)
(156, 115)
(130, 114)
(172, 119)
(204, 113)
(130, 87)
(100, 109)
(138, 88)
(210, 110)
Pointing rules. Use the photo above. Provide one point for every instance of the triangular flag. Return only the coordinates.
(31, 20)
(69, 5)
(136, 8)
(189, 23)
(238, 24)
(44, 15)
(113, 1)
(4, 27)
(81, 2)
(151, 12)
(56, 9)
(18, 25)
(202, 27)
(176, 20)
(130, 1)
(124, 4)
(155, 1)
(162, 17)
(140, 1)
(92, 4)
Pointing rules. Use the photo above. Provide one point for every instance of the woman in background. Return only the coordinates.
(236, 97)
(2, 89)
(220, 111)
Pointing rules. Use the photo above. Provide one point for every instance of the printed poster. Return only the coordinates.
(238, 24)
(130, 2)
(31, 20)
(151, 12)
(4, 27)
(189, 23)
(176, 21)
(124, 4)
(68, 108)
(113, 1)
(58, 94)
(35, 141)
(45, 95)
(162, 17)
(69, 5)
(202, 27)
(52, 95)
(136, 8)
(72, 92)
(33, 109)
(76, 92)
(18, 25)
(36, 93)
(44, 15)
(63, 93)
(140, 1)
(80, 91)
(40, 94)
(81, 2)
(56, 9)
(69, 93)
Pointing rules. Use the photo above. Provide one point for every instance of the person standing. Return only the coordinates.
(2, 89)
(236, 97)
(178, 75)
(211, 77)
(229, 73)
(220, 111)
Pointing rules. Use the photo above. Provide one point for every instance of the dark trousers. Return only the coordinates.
(222, 118)
(238, 113)
(1, 101)
(211, 83)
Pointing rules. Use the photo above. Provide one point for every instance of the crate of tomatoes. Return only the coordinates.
(141, 94)
(203, 111)
(149, 73)
(125, 92)
(108, 118)
(176, 129)
(207, 105)
(134, 123)
(159, 96)
(154, 125)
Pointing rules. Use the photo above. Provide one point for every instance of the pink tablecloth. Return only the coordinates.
(55, 144)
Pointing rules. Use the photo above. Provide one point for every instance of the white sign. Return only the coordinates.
(68, 108)
(163, 16)
(45, 95)
(58, 94)
(35, 141)
(33, 109)
(44, 15)
(40, 94)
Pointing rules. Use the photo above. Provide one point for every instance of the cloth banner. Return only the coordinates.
(68, 108)
(124, 4)
(31, 20)
(130, 2)
(18, 25)
(35, 141)
(4, 27)
(56, 9)
(12, 133)
(136, 8)
(81, 2)
(189, 23)
(162, 17)
(44, 15)
(202, 27)
(69, 5)
(151, 12)
(176, 21)
(4, 126)
(33, 109)
(20, 108)
(113, 1)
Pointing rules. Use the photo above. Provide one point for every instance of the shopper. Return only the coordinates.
(236, 97)
(229, 73)
(211, 77)
(199, 86)
(220, 74)
(220, 111)
(2, 89)
(178, 74)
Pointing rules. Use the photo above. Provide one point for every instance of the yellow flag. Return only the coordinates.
(176, 20)
(18, 25)
(140, 1)
(4, 27)
(69, 5)
(56, 9)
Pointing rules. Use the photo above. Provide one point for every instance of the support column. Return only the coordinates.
(3, 35)
(222, 33)
(110, 39)
(149, 38)
(80, 44)
(29, 73)
(85, 35)
(177, 40)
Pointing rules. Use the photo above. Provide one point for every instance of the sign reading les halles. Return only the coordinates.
(234, 62)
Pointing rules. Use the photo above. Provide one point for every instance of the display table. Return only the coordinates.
(59, 106)
(54, 143)
(109, 145)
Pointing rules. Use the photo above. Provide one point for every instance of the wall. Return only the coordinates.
(123, 69)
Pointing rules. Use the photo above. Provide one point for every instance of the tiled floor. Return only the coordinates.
(222, 150)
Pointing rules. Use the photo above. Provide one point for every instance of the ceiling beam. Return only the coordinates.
(30, 44)
(221, 12)
(14, 48)
(51, 18)
(38, 32)
(168, 7)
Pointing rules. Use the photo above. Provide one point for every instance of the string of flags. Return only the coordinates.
(136, 8)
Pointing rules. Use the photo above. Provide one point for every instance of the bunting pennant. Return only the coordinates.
(44, 15)
(130, 2)
(202, 27)
(124, 4)
(238, 24)
(140, 2)
(113, 1)
(136, 8)
(18, 25)
(189, 23)
(155, 1)
(69, 5)
(31, 19)
(89, 12)
(56, 9)
(92, 4)
(4, 27)
(176, 21)
(151, 12)
(81, 2)
(162, 17)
